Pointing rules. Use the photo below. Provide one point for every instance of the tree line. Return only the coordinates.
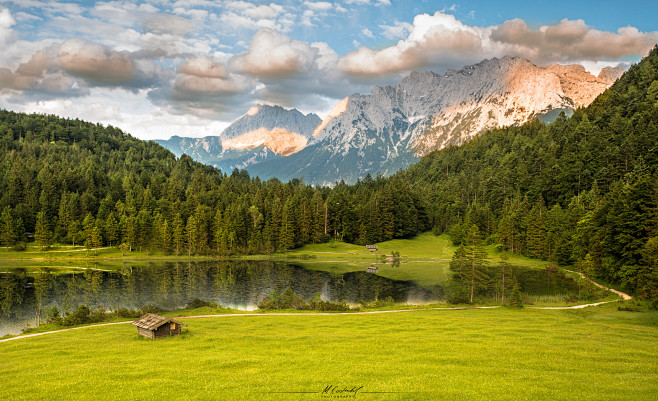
(68, 181)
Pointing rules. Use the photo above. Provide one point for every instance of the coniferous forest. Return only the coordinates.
(580, 191)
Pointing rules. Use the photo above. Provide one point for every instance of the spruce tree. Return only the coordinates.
(469, 262)
(8, 227)
(42, 234)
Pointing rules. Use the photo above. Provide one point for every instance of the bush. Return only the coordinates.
(197, 303)
(18, 247)
(128, 313)
(653, 304)
(53, 316)
(84, 315)
(292, 300)
(457, 294)
(378, 303)
(629, 306)
(515, 299)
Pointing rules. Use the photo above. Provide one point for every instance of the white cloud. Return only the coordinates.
(272, 55)
(264, 12)
(441, 41)
(398, 30)
(166, 23)
(571, 40)
(6, 22)
(434, 39)
(319, 5)
(367, 33)
(369, 2)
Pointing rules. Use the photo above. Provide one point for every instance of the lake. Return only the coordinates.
(234, 284)
(173, 285)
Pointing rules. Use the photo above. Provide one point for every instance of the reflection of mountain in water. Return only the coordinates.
(173, 285)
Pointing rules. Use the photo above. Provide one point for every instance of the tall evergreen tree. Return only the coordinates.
(42, 234)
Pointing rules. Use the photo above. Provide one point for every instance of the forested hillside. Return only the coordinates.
(69, 181)
(582, 190)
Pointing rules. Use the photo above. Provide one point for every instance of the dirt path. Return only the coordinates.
(621, 294)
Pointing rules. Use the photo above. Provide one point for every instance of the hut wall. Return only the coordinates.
(146, 333)
(162, 331)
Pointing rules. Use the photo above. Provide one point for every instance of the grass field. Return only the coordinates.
(598, 353)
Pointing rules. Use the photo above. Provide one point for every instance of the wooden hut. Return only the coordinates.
(372, 269)
(155, 326)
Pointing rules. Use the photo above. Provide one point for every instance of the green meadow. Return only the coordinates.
(486, 354)
(425, 259)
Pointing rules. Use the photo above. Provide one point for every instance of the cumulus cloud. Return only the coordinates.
(248, 16)
(204, 76)
(6, 22)
(264, 11)
(434, 39)
(272, 55)
(95, 63)
(72, 67)
(572, 40)
(441, 41)
(204, 87)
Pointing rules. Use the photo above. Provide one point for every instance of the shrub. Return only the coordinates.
(197, 303)
(53, 316)
(515, 299)
(128, 313)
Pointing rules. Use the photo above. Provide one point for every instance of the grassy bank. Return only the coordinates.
(425, 258)
(467, 354)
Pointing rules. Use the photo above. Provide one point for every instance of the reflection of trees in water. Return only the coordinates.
(175, 284)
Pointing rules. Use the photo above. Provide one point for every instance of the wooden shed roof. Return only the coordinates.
(151, 321)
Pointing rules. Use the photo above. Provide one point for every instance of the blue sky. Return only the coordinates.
(158, 68)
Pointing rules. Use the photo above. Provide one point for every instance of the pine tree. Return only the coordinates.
(516, 298)
(42, 234)
(8, 227)
(42, 285)
(217, 237)
(469, 262)
(111, 229)
(178, 234)
(96, 237)
(88, 226)
(505, 271)
(287, 233)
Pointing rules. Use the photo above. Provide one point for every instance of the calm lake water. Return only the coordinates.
(173, 285)
(234, 284)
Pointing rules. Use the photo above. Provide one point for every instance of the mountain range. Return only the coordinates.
(393, 126)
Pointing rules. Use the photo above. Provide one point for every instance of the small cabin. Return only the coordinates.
(155, 326)
(372, 269)
(371, 248)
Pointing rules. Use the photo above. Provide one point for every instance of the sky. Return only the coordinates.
(158, 68)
